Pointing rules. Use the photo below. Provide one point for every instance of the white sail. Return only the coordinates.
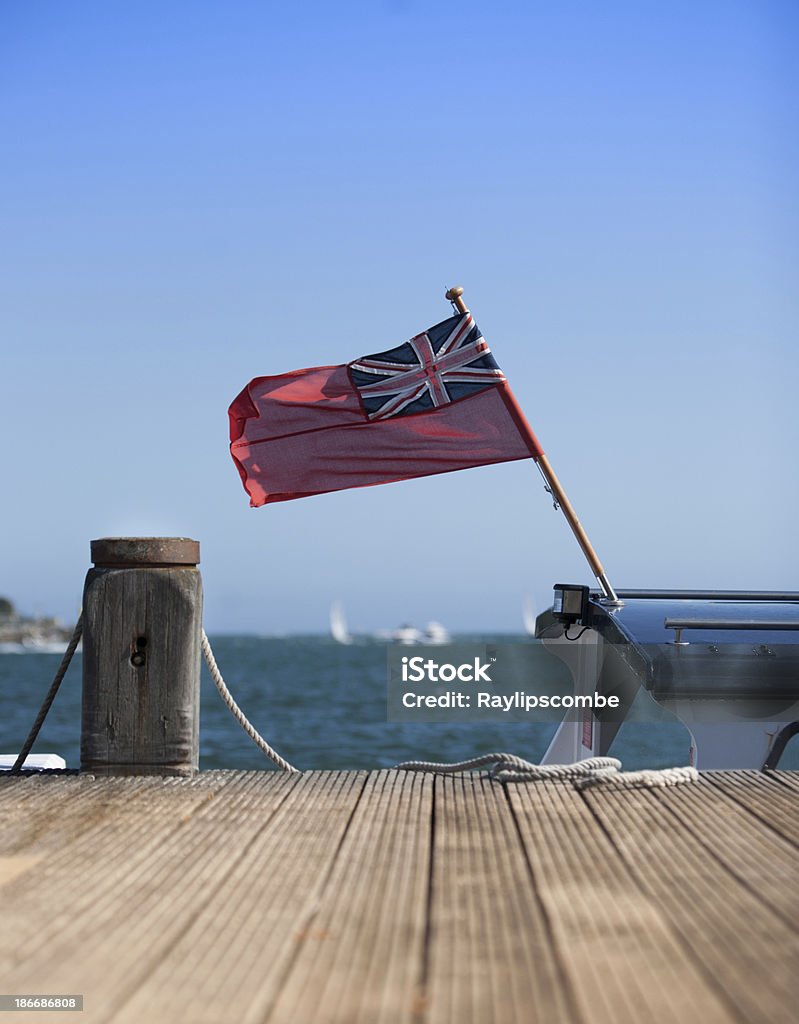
(338, 624)
(528, 615)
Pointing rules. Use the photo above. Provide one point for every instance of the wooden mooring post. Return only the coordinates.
(142, 624)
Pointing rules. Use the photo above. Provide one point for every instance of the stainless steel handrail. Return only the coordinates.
(773, 596)
(743, 624)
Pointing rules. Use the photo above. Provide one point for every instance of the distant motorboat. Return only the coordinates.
(406, 634)
(435, 633)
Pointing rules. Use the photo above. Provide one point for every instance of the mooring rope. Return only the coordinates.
(647, 778)
(503, 767)
(590, 772)
(48, 700)
(236, 711)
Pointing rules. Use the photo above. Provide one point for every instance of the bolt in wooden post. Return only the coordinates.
(142, 623)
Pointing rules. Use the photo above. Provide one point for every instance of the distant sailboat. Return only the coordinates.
(338, 624)
(528, 615)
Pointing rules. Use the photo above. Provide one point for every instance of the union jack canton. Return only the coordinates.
(447, 362)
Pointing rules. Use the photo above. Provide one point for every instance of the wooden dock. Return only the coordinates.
(391, 897)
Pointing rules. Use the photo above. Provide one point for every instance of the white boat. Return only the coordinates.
(33, 762)
(725, 663)
(406, 634)
(435, 633)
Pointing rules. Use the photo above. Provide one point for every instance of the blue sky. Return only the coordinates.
(199, 193)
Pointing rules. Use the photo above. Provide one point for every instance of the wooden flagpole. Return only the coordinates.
(455, 296)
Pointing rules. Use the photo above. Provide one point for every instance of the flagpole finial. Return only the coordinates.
(455, 296)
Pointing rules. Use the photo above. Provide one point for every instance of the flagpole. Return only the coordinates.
(455, 296)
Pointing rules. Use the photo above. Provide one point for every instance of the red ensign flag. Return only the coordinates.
(435, 404)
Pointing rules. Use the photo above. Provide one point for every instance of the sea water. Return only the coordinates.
(321, 705)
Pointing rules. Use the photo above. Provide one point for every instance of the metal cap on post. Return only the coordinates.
(144, 552)
(142, 625)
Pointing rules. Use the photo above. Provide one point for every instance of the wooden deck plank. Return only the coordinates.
(42, 814)
(726, 816)
(11, 867)
(394, 897)
(785, 778)
(490, 953)
(360, 958)
(97, 917)
(732, 935)
(230, 959)
(623, 960)
(766, 798)
(36, 809)
(70, 821)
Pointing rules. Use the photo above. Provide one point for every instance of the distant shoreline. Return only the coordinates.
(32, 632)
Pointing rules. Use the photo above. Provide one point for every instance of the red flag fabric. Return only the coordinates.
(436, 404)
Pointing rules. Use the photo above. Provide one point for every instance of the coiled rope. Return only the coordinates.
(591, 772)
(236, 711)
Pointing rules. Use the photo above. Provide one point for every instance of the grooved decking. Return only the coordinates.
(394, 897)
